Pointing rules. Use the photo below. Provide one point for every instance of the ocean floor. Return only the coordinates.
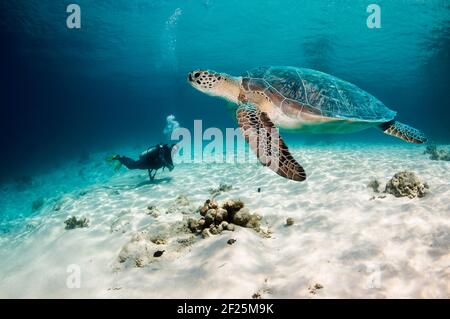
(346, 240)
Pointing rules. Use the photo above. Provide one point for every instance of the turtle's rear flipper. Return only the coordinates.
(403, 131)
(265, 141)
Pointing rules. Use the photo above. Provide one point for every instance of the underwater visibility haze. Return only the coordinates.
(73, 99)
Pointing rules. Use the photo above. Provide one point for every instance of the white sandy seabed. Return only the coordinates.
(351, 245)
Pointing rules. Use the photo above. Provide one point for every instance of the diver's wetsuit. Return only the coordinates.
(131, 163)
(156, 157)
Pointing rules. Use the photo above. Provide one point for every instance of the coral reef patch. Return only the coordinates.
(223, 217)
(162, 241)
(406, 184)
(374, 185)
(437, 154)
(73, 222)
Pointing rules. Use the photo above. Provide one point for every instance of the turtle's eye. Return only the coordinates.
(197, 74)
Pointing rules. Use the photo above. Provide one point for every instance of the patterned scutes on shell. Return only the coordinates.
(322, 93)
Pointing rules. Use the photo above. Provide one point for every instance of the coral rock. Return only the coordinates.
(218, 218)
(406, 184)
(246, 219)
(212, 203)
(222, 213)
(375, 185)
(241, 217)
(73, 222)
(214, 230)
(232, 206)
(224, 225)
(230, 227)
(211, 212)
(205, 233)
(209, 219)
(289, 221)
(203, 209)
(193, 224)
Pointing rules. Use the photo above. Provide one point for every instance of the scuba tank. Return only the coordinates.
(152, 151)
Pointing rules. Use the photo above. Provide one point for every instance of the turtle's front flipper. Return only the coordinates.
(403, 131)
(265, 141)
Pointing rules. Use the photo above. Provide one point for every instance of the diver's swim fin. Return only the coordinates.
(117, 165)
(111, 158)
(404, 132)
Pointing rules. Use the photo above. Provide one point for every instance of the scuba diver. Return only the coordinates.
(154, 158)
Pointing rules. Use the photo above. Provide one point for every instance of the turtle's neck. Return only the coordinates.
(231, 89)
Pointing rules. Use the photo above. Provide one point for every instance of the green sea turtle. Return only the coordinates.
(301, 100)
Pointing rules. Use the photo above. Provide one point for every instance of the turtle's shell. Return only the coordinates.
(321, 93)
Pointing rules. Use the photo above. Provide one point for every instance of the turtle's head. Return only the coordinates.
(216, 84)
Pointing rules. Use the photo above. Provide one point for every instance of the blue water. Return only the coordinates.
(67, 92)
